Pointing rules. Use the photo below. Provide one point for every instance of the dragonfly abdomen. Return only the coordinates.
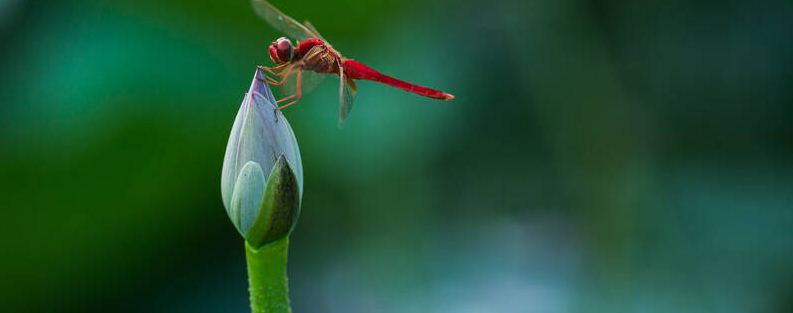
(357, 70)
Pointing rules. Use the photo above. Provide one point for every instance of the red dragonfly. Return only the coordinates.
(312, 53)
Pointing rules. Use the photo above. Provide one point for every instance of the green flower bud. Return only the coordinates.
(262, 178)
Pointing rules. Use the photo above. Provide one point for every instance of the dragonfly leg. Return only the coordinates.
(283, 106)
(288, 104)
(268, 79)
(286, 98)
(266, 69)
(284, 75)
(273, 69)
(280, 67)
(298, 91)
(272, 81)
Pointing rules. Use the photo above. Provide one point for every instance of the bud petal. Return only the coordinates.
(246, 200)
(280, 206)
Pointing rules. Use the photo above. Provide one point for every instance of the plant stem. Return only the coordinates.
(268, 286)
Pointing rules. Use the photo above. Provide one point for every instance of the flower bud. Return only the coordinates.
(262, 178)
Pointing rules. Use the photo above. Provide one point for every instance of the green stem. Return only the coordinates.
(267, 280)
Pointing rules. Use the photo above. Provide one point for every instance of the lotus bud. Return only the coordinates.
(262, 178)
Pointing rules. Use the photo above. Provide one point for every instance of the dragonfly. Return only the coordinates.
(313, 54)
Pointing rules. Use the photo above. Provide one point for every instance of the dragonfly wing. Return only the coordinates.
(316, 34)
(281, 21)
(309, 79)
(314, 30)
(346, 97)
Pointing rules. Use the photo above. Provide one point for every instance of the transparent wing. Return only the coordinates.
(346, 97)
(318, 35)
(281, 21)
(314, 30)
(309, 81)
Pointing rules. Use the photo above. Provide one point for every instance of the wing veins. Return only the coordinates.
(280, 21)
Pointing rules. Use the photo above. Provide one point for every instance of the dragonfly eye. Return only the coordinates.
(281, 50)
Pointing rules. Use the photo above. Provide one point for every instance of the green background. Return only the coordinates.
(601, 156)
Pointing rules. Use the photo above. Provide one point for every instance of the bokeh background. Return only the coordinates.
(601, 156)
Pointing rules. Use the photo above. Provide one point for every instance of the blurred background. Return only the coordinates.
(601, 156)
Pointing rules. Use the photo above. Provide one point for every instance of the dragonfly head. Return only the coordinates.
(281, 50)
